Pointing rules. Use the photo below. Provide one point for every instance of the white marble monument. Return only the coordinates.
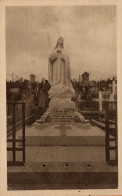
(61, 107)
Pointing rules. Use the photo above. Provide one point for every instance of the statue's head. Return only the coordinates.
(60, 42)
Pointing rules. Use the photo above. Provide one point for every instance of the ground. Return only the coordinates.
(74, 159)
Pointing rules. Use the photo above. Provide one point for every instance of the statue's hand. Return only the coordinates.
(62, 58)
(60, 51)
(53, 56)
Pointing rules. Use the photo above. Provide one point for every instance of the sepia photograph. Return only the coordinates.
(61, 97)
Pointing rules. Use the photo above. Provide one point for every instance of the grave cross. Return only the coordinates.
(63, 128)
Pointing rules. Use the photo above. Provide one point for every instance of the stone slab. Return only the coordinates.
(61, 154)
(70, 135)
(65, 141)
(71, 130)
(90, 166)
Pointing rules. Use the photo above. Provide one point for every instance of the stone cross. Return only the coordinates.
(63, 128)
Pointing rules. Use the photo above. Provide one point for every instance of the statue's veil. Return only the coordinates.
(57, 43)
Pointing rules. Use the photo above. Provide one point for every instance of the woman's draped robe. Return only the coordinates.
(59, 76)
(59, 68)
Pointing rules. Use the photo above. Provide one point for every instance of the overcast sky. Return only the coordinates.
(89, 34)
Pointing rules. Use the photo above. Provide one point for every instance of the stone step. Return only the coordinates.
(64, 140)
(55, 180)
(63, 175)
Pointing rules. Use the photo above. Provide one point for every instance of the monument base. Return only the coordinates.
(61, 107)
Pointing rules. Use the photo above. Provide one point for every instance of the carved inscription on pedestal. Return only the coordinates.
(62, 116)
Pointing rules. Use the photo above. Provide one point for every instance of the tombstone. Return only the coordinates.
(32, 78)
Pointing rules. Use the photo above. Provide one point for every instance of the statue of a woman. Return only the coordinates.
(59, 74)
(59, 65)
(61, 91)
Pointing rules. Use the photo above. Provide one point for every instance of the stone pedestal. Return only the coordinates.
(61, 96)
(61, 108)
